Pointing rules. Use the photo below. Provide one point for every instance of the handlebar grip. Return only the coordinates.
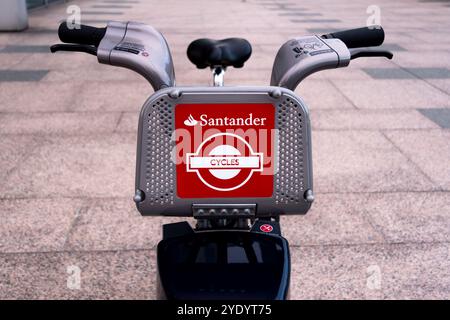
(81, 34)
(362, 37)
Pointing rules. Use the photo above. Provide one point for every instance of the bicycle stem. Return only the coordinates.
(218, 75)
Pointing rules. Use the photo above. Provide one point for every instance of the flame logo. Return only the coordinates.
(190, 121)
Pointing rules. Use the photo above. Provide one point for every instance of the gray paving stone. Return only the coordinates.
(95, 73)
(9, 61)
(22, 75)
(113, 224)
(330, 272)
(408, 217)
(431, 73)
(430, 38)
(352, 72)
(85, 166)
(299, 14)
(98, 13)
(439, 116)
(392, 47)
(345, 119)
(334, 219)
(315, 20)
(96, 96)
(128, 122)
(57, 62)
(414, 94)
(33, 30)
(111, 6)
(363, 161)
(13, 150)
(321, 30)
(35, 97)
(413, 58)
(25, 48)
(277, 3)
(330, 97)
(396, 271)
(103, 275)
(371, 218)
(434, 154)
(390, 73)
(36, 225)
(282, 6)
(409, 73)
(120, 1)
(441, 84)
(45, 123)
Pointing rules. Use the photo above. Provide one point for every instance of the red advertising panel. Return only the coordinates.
(225, 150)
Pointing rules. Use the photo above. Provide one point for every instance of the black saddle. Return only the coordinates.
(211, 53)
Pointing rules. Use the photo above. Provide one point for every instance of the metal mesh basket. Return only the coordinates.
(168, 185)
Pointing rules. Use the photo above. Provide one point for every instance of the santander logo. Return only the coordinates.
(250, 120)
(190, 121)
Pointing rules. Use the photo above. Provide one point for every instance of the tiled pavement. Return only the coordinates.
(380, 134)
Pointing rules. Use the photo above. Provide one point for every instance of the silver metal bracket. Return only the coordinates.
(218, 74)
(208, 211)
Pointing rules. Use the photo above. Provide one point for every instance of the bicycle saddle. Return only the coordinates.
(227, 52)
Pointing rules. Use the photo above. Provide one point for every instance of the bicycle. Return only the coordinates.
(234, 158)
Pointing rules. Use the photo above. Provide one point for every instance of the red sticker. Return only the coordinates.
(266, 228)
(225, 150)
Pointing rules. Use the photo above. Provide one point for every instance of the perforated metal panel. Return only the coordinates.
(289, 182)
(156, 171)
(159, 169)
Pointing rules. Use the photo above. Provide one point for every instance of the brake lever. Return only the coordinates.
(74, 47)
(365, 52)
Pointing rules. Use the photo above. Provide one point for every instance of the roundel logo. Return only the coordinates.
(224, 167)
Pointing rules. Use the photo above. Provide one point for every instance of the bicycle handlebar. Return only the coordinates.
(81, 34)
(361, 37)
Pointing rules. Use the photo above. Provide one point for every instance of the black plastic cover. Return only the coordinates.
(361, 37)
(81, 34)
(224, 265)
